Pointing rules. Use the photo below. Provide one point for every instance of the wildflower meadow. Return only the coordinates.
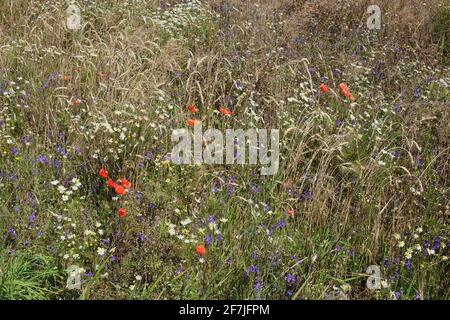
(225, 149)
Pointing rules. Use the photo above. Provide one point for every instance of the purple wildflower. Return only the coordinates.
(12, 233)
(42, 159)
(252, 269)
(208, 239)
(290, 279)
(230, 190)
(14, 151)
(258, 284)
(408, 264)
(289, 294)
(419, 161)
(32, 217)
(239, 84)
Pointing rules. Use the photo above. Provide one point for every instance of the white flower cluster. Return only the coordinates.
(181, 16)
(66, 192)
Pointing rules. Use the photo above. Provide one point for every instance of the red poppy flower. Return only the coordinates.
(201, 250)
(291, 212)
(125, 183)
(192, 122)
(345, 92)
(343, 88)
(192, 108)
(324, 88)
(111, 183)
(225, 111)
(67, 78)
(76, 101)
(103, 173)
(122, 212)
(120, 190)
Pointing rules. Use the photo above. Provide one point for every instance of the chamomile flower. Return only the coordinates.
(408, 254)
(101, 251)
(186, 221)
(346, 287)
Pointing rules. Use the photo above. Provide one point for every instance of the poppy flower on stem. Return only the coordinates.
(119, 189)
(76, 101)
(111, 183)
(291, 212)
(192, 108)
(125, 183)
(122, 212)
(225, 111)
(192, 122)
(345, 92)
(200, 250)
(324, 88)
(103, 173)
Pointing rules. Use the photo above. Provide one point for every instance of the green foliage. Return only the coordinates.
(27, 276)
